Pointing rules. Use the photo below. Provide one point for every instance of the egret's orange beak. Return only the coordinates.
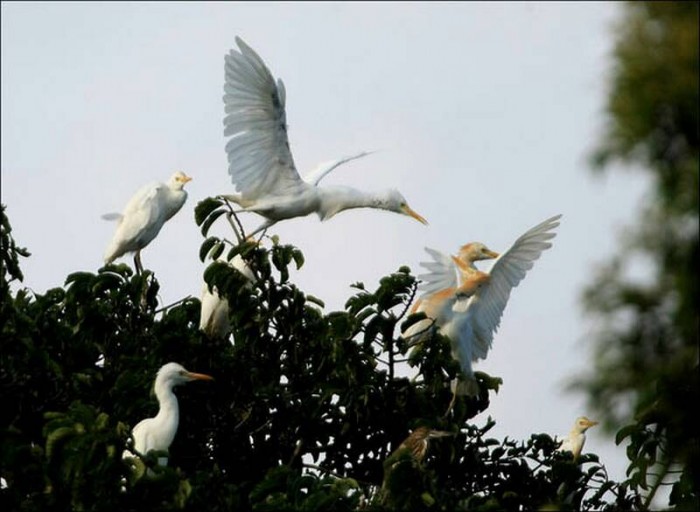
(199, 376)
(408, 211)
(186, 178)
(491, 254)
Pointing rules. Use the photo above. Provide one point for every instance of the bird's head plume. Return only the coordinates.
(178, 180)
(475, 251)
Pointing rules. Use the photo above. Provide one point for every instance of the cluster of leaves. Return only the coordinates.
(305, 406)
(645, 374)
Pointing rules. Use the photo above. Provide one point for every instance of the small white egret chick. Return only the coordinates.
(213, 320)
(158, 433)
(260, 160)
(144, 216)
(576, 438)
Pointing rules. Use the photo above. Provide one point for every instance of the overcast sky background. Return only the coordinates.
(484, 115)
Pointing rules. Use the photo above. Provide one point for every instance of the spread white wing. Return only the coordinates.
(260, 161)
(485, 308)
(443, 273)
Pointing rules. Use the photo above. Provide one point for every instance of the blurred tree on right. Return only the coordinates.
(645, 369)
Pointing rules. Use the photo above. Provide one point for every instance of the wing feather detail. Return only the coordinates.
(486, 307)
(260, 161)
(443, 273)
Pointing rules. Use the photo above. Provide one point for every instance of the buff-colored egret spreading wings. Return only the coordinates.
(260, 160)
(144, 216)
(446, 274)
(471, 314)
(157, 433)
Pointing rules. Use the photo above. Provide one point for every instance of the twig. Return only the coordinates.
(173, 304)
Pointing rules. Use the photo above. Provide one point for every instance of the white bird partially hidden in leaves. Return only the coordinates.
(260, 160)
(576, 438)
(144, 216)
(157, 433)
(470, 314)
(214, 313)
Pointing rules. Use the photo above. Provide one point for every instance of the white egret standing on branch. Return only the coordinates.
(576, 438)
(214, 311)
(144, 216)
(260, 161)
(157, 433)
(470, 318)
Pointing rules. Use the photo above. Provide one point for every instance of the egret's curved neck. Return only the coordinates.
(336, 199)
(168, 413)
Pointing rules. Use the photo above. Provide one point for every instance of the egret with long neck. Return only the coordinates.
(157, 433)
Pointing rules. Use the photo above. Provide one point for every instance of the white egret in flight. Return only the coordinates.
(157, 433)
(470, 317)
(144, 216)
(260, 160)
(576, 438)
(214, 311)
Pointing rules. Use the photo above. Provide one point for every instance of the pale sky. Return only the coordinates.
(483, 115)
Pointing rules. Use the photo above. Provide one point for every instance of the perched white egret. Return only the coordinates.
(214, 311)
(260, 160)
(158, 433)
(576, 438)
(144, 216)
(469, 317)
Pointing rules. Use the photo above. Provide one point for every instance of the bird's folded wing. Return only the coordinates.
(442, 273)
(143, 210)
(508, 270)
(260, 161)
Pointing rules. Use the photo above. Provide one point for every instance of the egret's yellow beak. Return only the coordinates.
(591, 423)
(408, 211)
(186, 178)
(199, 376)
(491, 254)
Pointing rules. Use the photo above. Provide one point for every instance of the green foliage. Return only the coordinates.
(305, 408)
(645, 374)
(10, 252)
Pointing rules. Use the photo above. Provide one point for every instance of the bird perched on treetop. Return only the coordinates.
(144, 216)
(576, 438)
(214, 310)
(406, 459)
(260, 161)
(468, 317)
(157, 433)
(416, 444)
